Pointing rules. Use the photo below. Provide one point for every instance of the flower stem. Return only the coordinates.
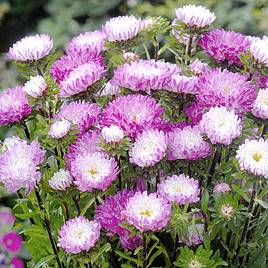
(215, 160)
(144, 251)
(46, 221)
(189, 49)
(21, 197)
(77, 205)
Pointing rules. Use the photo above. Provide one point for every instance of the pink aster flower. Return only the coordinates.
(14, 105)
(109, 90)
(6, 217)
(79, 234)
(260, 106)
(59, 129)
(182, 84)
(253, 157)
(147, 212)
(130, 56)
(110, 217)
(221, 187)
(259, 50)
(194, 111)
(224, 45)
(196, 17)
(81, 78)
(149, 148)
(144, 75)
(187, 143)
(133, 113)
(60, 180)
(11, 242)
(198, 67)
(81, 113)
(86, 144)
(112, 134)
(19, 166)
(17, 263)
(180, 189)
(86, 43)
(220, 125)
(63, 66)
(35, 87)
(221, 87)
(195, 235)
(94, 171)
(31, 48)
(122, 28)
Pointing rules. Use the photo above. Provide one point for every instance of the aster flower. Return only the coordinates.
(110, 217)
(259, 50)
(196, 17)
(112, 133)
(10, 141)
(221, 87)
(195, 235)
(147, 212)
(80, 113)
(182, 84)
(253, 157)
(130, 56)
(109, 90)
(6, 217)
(63, 66)
(86, 144)
(122, 28)
(14, 105)
(17, 263)
(86, 43)
(94, 171)
(60, 180)
(31, 48)
(79, 234)
(133, 113)
(81, 78)
(187, 143)
(180, 189)
(144, 75)
(260, 106)
(149, 148)
(221, 188)
(224, 45)
(35, 87)
(19, 166)
(59, 128)
(220, 125)
(11, 242)
(194, 111)
(198, 67)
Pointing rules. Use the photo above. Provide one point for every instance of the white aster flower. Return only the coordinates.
(260, 106)
(60, 180)
(35, 86)
(59, 128)
(259, 50)
(112, 133)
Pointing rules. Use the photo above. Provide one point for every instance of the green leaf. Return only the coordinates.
(204, 200)
(125, 256)
(44, 261)
(105, 248)
(240, 192)
(262, 203)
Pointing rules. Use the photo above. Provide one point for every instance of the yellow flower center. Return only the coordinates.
(92, 172)
(257, 157)
(146, 213)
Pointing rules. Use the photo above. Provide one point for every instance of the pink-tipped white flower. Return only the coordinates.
(221, 188)
(31, 48)
(187, 143)
(122, 28)
(195, 16)
(59, 128)
(61, 180)
(79, 234)
(130, 56)
(112, 133)
(198, 67)
(94, 171)
(182, 84)
(149, 148)
(35, 87)
(220, 125)
(260, 106)
(147, 212)
(259, 50)
(253, 157)
(180, 189)
(109, 90)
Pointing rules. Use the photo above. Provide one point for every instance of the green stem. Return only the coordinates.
(213, 166)
(21, 197)
(76, 203)
(144, 251)
(189, 49)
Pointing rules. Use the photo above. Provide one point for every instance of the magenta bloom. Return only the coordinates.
(182, 84)
(94, 171)
(221, 87)
(86, 144)
(79, 234)
(19, 166)
(187, 143)
(63, 66)
(147, 212)
(81, 78)
(81, 113)
(144, 75)
(180, 189)
(110, 217)
(11, 242)
(17, 263)
(225, 45)
(194, 112)
(133, 113)
(86, 43)
(14, 105)
(31, 48)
